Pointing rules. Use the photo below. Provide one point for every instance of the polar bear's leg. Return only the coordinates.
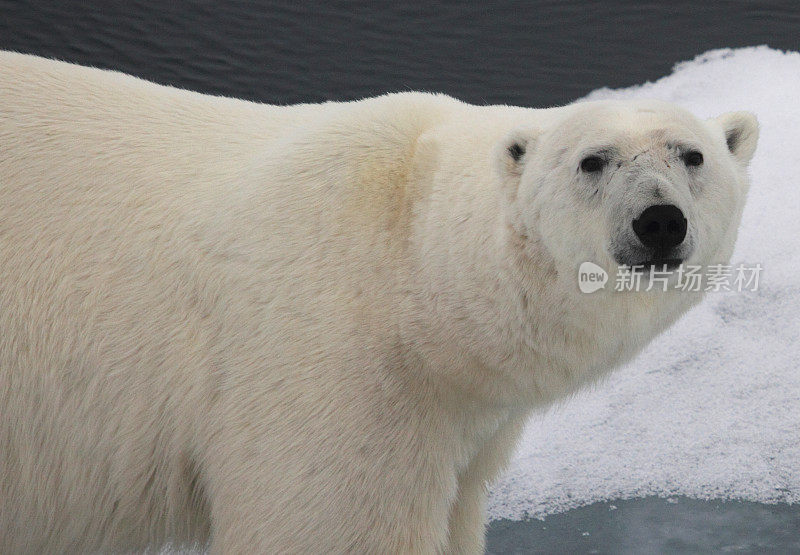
(468, 514)
(468, 517)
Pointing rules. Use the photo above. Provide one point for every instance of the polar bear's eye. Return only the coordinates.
(693, 158)
(592, 164)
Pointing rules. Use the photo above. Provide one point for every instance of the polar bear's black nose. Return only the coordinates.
(661, 227)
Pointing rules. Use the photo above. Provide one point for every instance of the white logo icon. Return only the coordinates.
(591, 277)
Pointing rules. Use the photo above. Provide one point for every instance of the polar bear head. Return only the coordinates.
(630, 183)
(613, 183)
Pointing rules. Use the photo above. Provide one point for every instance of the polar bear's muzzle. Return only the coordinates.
(657, 236)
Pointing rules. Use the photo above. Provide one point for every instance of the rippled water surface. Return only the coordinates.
(527, 53)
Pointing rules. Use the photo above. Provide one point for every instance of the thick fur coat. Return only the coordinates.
(313, 328)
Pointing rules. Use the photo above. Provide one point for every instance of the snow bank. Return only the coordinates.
(712, 408)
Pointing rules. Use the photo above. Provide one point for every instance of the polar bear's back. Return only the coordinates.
(77, 116)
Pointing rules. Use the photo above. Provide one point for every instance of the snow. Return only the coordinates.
(711, 409)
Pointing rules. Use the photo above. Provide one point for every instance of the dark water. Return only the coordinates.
(654, 525)
(526, 53)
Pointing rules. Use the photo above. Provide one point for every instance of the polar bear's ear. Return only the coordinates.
(741, 134)
(512, 153)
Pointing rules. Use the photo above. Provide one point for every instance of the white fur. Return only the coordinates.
(314, 328)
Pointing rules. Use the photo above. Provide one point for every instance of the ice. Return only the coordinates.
(711, 409)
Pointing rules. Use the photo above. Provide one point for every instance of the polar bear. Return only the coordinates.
(315, 328)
